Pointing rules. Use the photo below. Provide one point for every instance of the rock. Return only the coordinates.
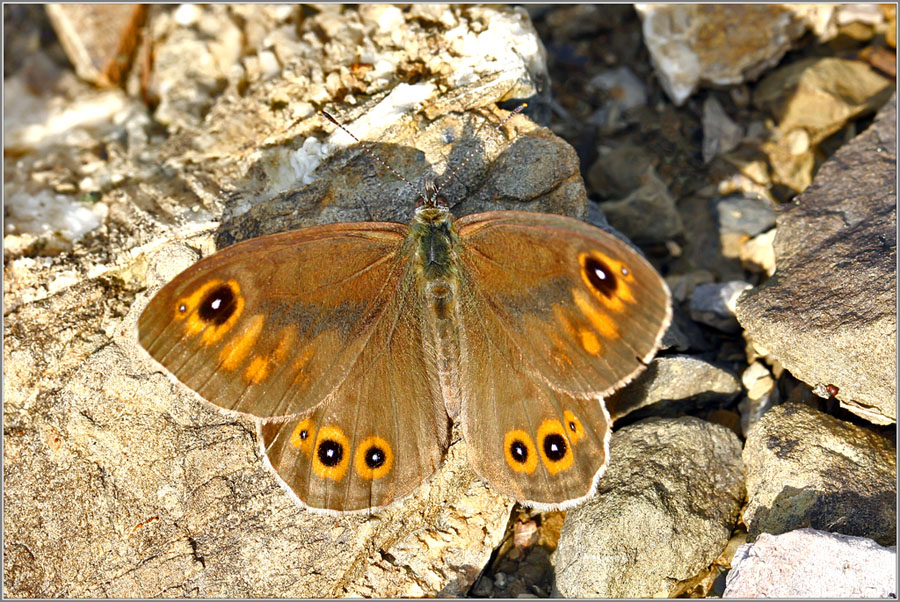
(762, 394)
(820, 95)
(683, 286)
(523, 558)
(883, 59)
(536, 172)
(178, 494)
(829, 312)
(703, 249)
(624, 92)
(118, 483)
(56, 220)
(807, 468)
(648, 215)
(807, 563)
(684, 334)
(890, 33)
(745, 215)
(680, 378)
(758, 253)
(757, 380)
(664, 512)
(720, 133)
(98, 38)
(714, 304)
(703, 45)
(619, 172)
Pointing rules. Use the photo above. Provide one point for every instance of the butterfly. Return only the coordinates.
(355, 346)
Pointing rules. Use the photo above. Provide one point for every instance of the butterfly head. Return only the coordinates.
(432, 202)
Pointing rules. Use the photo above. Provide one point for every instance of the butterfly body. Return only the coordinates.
(356, 345)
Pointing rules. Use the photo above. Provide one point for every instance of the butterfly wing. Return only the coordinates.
(555, 314)
(318, 333)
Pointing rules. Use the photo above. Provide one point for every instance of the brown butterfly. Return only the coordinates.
(356, 344)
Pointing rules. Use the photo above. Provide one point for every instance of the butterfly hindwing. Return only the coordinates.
(540, 446)
(383, 430)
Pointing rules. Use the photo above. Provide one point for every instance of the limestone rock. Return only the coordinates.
(715, 44)
(664, 511)
(806, 468)
(812, 564)
(829, 312)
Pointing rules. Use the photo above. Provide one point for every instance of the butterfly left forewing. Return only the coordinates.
(269, 327)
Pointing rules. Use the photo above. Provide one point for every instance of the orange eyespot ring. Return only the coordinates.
(554, 447)
(212, 309)
(574, 428)
(374, 458)
(607, 278)
(519, 450)
(304, 435)
(332, 453)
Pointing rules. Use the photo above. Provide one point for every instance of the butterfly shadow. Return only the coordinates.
(483, 169)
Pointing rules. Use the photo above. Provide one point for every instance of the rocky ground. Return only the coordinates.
(749, 151)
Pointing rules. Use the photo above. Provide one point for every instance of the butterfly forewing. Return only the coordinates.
(270, 326)
(585, 309)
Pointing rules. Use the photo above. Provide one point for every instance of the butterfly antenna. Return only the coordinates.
(471, 153)
(369, 153)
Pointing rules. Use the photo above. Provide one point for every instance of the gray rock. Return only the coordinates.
(619, 172)
(648, 214)
(684, 334)
(812, 564)
(714, 304)
(703, 249)
(623, 91)
(745, 215)
(664, 512)
(536, 172)
(829, 312)
(679, 378)
(720, 133)
(807, 468)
